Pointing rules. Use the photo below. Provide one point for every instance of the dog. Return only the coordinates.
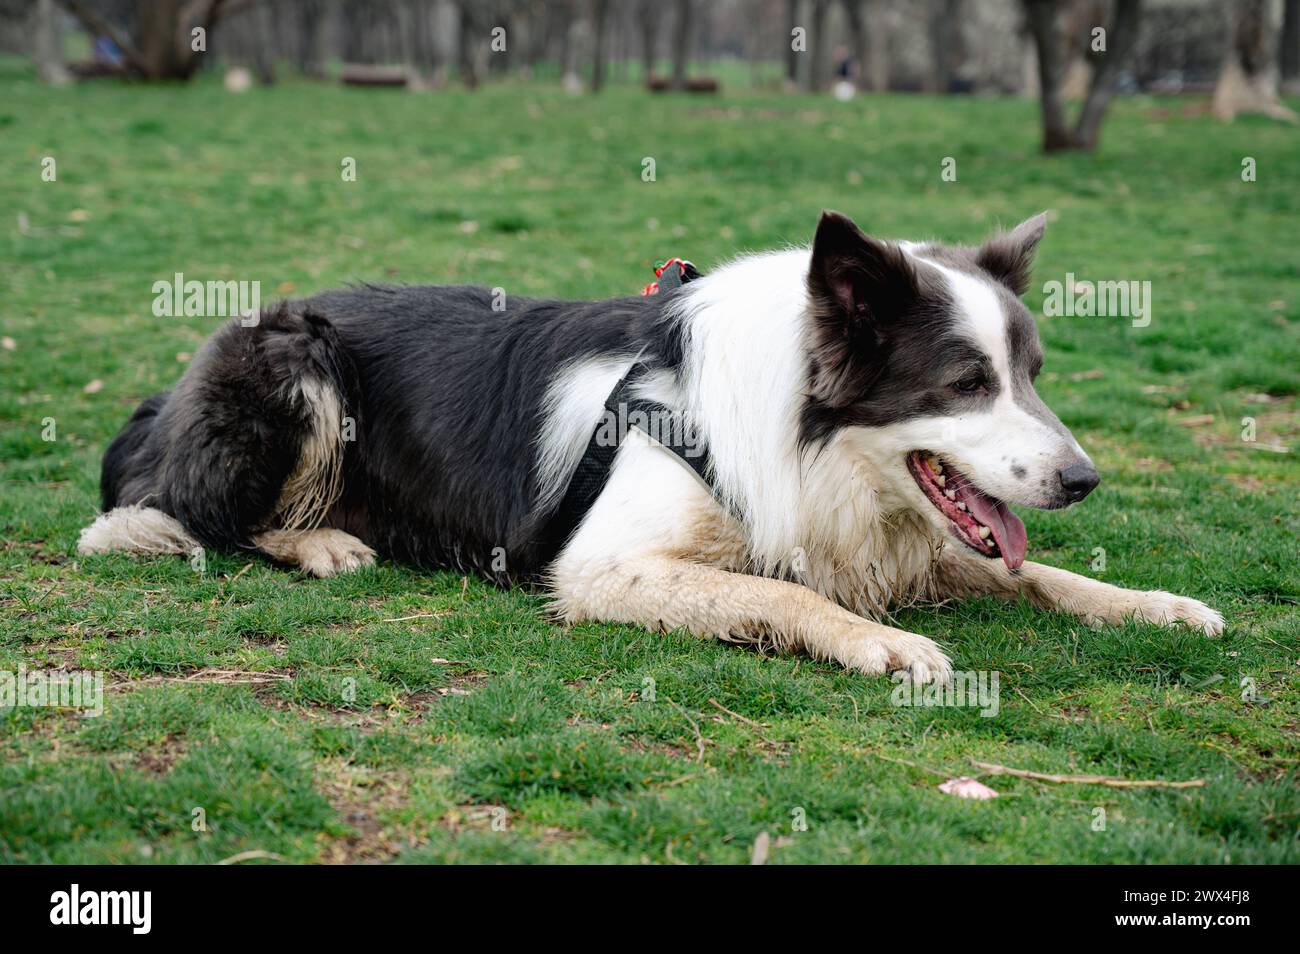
(860, 415)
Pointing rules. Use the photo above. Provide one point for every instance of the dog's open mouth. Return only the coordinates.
(983, 523)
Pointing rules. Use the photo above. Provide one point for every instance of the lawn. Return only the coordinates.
(394, 715)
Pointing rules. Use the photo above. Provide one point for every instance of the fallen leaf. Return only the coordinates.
(8, 343)
(1199, 420)
(93, 386)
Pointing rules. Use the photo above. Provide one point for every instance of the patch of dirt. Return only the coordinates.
(35, 551)
(1152, 464)
(1277, 431)
(158, 760)
(217, 677)
(363, 797)
(1249, 483)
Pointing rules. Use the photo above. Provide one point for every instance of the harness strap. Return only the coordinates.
(623, 411)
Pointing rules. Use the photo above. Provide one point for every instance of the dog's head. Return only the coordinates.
(925, 358)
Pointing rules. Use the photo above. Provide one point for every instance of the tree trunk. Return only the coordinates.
(160, 45)
(262, 25)
(875, 69)
(857, 39)
(948, 46)
(1043, 20)
(354, 26)
(1248, 80)
(1289, 50)
(791, 54)
(466, 44)
(47, 43)
(1041, 16)
(817, 46)
(309, 14)
(1121, 40)
(648, 23)
(599, 13)
(681, 43)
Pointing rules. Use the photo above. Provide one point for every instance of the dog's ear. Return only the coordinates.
(1009, 257)
(858, 286)
(856, 278)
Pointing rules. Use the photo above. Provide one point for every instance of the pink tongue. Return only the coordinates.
(1008, 530)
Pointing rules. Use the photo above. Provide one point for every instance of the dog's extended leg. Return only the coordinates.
(323, 552)
(1051, 588)
(661, 592)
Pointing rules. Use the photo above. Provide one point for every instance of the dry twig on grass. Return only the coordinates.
(995, 769)
(699, 739)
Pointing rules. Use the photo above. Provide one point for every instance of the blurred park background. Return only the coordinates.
(303, 145)
(1238, 53)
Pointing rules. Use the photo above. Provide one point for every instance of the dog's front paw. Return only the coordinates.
(876, 650)
(1169, 609)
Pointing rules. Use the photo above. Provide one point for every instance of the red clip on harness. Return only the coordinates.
(685, 270)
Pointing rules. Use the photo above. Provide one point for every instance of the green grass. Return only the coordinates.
(317, 720)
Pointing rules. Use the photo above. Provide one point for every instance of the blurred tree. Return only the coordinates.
(868, 32)
(791, 54)
(948, 45)
(818, 73)
(1289, 51)
(681, 43)
(1248, 81)
(467, 43)
(647, 15)
(47, 43)
(308, 18)
(160, 44)
(1119, 38)
(599, 14)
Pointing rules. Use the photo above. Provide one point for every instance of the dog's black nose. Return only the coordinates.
(1078, 480)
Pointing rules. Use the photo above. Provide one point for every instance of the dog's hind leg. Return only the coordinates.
(321, 552)
(247, 452)
(1064, 592)
(664, 593)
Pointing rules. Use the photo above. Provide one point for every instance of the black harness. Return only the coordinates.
(625, 410)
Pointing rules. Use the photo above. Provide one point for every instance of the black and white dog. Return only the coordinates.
(861, 415)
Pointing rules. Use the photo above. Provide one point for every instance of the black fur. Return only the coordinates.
(446, 395)
(120, 460)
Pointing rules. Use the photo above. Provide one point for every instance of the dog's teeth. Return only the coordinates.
(950, 494)
(940, 480)
(984, 533)
(961, 505)
(936, 468)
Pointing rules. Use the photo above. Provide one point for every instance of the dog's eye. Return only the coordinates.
(970, 385)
